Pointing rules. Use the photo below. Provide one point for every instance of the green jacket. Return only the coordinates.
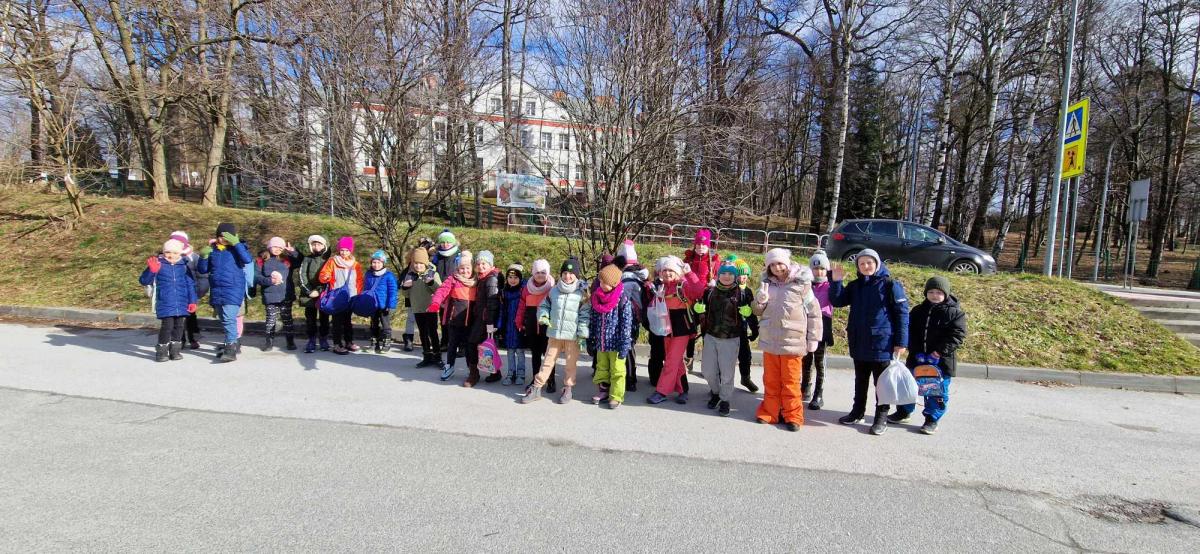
(309, 268)
(420, 295)
(569, 312)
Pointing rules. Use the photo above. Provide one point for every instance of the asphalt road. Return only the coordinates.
(103, 449)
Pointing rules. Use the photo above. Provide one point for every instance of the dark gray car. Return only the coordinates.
(907, 242)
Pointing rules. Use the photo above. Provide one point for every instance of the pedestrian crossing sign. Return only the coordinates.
(1075, 140)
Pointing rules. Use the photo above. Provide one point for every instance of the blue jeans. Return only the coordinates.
(227, 314)
(935, 406)
(516, 361)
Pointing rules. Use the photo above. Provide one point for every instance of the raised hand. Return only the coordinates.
(153, 263)
(231, 238)
(837, 273)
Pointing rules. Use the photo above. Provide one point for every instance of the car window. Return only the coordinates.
(883, 229)
(855, 227)
(919, 233)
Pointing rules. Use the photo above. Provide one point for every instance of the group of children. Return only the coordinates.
(457, 300)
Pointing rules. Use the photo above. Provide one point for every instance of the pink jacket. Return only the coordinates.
(821, 291)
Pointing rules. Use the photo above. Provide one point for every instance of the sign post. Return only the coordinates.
(1139, 202)
(1052, 208)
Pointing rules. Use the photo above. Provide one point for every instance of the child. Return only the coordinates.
(749, 330)
(445, 260)
(633, 281)
(192, 327)
(458, 294)
(609, 336)
(790, 323)
(486, 314)
(565, 314)
(410, 320)
(937, 328)
(723, 310)
(383, 282)
(703, 261)
(511, 338)
(676, 286)
(273, 276)
(820, 270)
(310, 291)
(420, 283)
(342, 270)
(534, 333)
(225, 265)
(174, 295)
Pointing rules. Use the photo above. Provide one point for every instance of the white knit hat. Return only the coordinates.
(778, 255)
(542, 267)
(672, 263)
(819, 259)
(317, 238)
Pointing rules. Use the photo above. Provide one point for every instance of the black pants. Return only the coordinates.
(381, 325)
(171, 329)
(744, 358)
(343, 328)
(866, 373)
(458, 338)
(282, 313)
(814, 359)
(192, 327)
(427, 326)
(311, 315)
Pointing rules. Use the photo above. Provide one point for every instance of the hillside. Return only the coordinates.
(1015, 319)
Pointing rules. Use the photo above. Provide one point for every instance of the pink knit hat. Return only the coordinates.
(626, 251)
(346, 243)
(703, 238)
(278, 241)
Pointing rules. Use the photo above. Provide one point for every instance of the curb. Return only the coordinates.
(1124, 381)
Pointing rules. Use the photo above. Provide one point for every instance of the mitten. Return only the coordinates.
(433, 308)
(544, 320)
(231, 238)
(699, 308)
(206, 252)
(153, 263)
(745, 311)
(191, 308)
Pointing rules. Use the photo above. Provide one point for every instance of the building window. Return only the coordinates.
(531, 108)
(439, 130)
(479, 134)
(526, 139)
(546, 167)
(580, 172)
(564, 171)
(497, 104)
(564, 141)
(479, 165)
(547, 141)
(514, 107)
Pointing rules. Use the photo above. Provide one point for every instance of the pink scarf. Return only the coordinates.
(605, 302)
(535, 290)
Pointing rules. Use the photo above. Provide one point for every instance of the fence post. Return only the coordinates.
(545, 226)
(671, 235)
(1195, 282)
(766, 241)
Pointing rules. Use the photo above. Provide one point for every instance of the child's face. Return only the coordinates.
(567, 277)
(513, 280)
(606, 287)
(701, 249)
(866, 265)
(344, 252)
(743, 279)
(539, 279)
(483, 267)
(668, 275)
(316, 247)
(463, 271)
(419, 268)
(445, 245)
(264, 254)
(725, 278)
(172, 257)
(276, 250)
(376, 264)
(936, 296)
(222, 241)
(779, 270)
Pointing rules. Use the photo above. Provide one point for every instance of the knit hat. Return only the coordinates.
(173, 245)
(276, 241)
(226, 228)
(183, 237)
(610, 275)
(939, 283)
(605, 259)
(447, 236)
(819, 259)
(317, 238)
(485, 256)
(703, 238)
(346, 243)
(626, 250)
(870, 254)
(672, 263)
(380, 255)
(419, 256)
(464, 258)
(728, 266)
(778, 255)
(542, 267)
(515, 268)
(571, 265)
(742, 267)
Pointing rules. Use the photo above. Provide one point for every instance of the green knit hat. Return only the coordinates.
(742, 267)
(938, 282)
(447, 236)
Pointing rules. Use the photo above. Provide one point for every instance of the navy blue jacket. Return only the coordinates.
(384, 287)
(226, 274)
(878, 315)
(284, 292)
(510, 302)
(174, 288)
(610, 332)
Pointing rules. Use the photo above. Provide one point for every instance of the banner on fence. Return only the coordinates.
(520, 191)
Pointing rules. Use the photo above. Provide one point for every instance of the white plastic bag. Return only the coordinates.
(896, 386)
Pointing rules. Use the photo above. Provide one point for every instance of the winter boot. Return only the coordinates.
(324, 344)
(472, 377)
(311, 346)
(535, 394)
(566, 395)
(408, 343)
(269, 343)
(880, 424)
(818, 401)
(377, 346)
(290, 339)
(387, 344)
(806, 385)
(173, 349)
(750, 386)
(228, 354)
(493, 377)
(631, 378)
(601, 394)
(160, 353)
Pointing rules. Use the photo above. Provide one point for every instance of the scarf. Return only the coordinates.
(343, 274)
(536, 290)
(820, 279)
(605, 302)
(466, 281)
(380, 272)
(449, 252)
(564, 288)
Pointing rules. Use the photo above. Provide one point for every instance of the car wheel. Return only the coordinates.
(851, 255)
(964, 266)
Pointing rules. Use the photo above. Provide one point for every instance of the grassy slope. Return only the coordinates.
(1015, 319)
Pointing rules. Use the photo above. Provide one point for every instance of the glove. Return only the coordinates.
(745, 311)
(491, 329)
(544, 320)
(206, 252)
(231, 238)
(276, 278)
(314, 294)
(687, 268)
(191, 308)
(433, 308)
(699, 308)
(813, 345)
(153, 263)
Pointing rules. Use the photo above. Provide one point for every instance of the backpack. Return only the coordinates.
(929, 376)
(490, 361)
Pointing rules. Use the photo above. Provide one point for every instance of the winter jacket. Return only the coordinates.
(791, 316)
(385, 288)
(487, 305)
(722, 317)
(940, 328)
(527, 313)
(226, 274)
(510, 304)
(444, 265)
(633, 281)
(310, 276)
(610, 332)
(329, 276)
(679, 296)
(193, 263)
(174, 288)
(420, 294)
(821, 291)
(705, 266)
(284, 292)
(878, 314)
(456, 301)
(750, 326)
(569, 312)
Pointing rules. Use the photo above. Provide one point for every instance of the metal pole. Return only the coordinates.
(1062, 245)
(1052, 223)
(1128, 248)
(1103, 206)
(1133, 251)
(1070, 259)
